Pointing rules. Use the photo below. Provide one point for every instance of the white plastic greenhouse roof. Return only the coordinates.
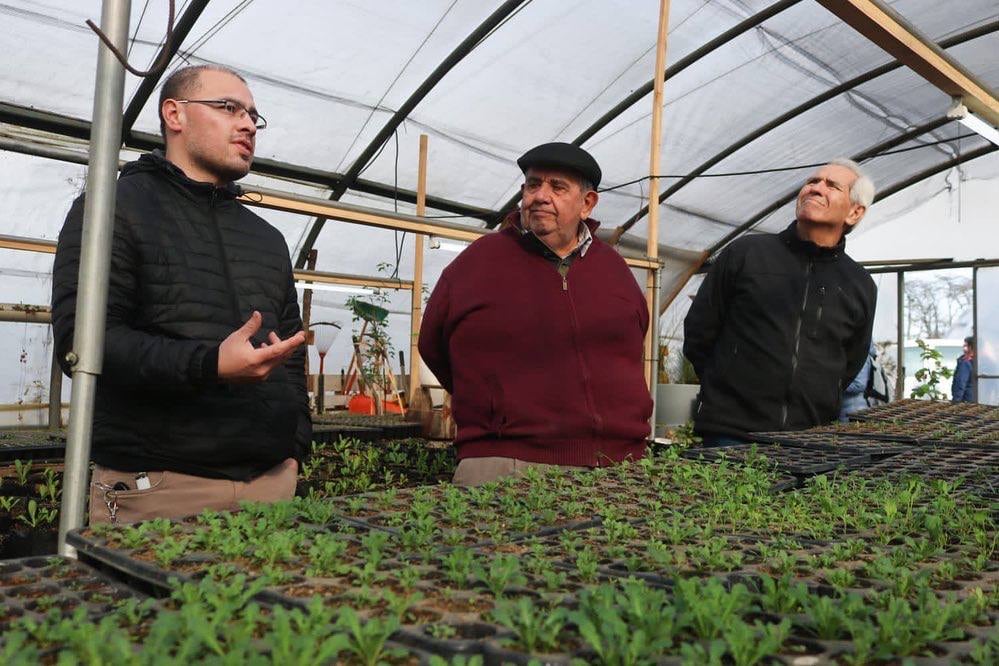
(329, 76)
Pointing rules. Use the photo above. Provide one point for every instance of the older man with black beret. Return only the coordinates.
(537, 332)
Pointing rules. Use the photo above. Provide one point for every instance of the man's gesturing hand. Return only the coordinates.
(239, 361)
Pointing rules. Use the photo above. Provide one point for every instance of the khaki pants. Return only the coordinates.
(476, 471)
(175, 495)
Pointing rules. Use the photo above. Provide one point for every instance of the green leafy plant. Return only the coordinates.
(750, 645)
(36, 515)
(458, 565)
(931, 377)
(625, 628)
(710, 606)
(366, 640)
(502, 573)
(22, 470)
(536, 629)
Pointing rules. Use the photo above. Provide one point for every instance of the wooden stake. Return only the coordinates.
(652, 246)
(417, 291)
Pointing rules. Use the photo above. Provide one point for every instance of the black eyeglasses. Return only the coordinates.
(230, 106)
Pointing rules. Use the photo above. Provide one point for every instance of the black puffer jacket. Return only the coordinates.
(778, 328)
(189, 265)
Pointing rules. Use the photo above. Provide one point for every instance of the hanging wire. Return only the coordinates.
(161, 62)
(159, 45)
(756, 172)
(399, 242)
(138, 25)
(211, 32)
(377, 105)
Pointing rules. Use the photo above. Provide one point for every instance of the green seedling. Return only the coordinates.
(781, 595)
(710, 606)
(325, 556)
(36, 515)
(587, 564)
(536, 629)
(373, 547)
(840, 578)
(441, 630)
(22, 469)
(458, 565)
(169, 550)
(49, 488)
(366, 640)
(751, 645)
(315, 510)
(696, 654)
(625, 628)
(503, 572)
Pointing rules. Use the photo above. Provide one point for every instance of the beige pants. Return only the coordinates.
(175, 495)
(476, 471)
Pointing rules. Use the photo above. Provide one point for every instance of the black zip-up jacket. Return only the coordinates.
(778, 328)
(189, 265)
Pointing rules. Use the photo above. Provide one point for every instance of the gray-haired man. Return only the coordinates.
(782, 322)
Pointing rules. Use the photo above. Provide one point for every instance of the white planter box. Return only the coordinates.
(675, 403)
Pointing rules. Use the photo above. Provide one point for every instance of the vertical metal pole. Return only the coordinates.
(900, 364)
(310, 336)
(55, 392)
(652, 245)
(417, 291)
(974, 332)
(95, 260)
(654, 332)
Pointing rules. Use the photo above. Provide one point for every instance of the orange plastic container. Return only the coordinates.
(360, 404)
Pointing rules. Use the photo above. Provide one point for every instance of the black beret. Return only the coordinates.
(563, 156)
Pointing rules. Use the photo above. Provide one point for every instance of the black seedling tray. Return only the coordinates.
(796, 460)
(327, 433)
(389, 427)
(876, 447)
(53, 450)
(138, 573)
(34, 586)
(978, 467)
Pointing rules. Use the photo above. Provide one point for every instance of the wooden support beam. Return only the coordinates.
(293, 203)
(417, 292)
(322, 277)
(684, 279)
(652, 242)
(886, 28)
(332, 210)
(27, 244)
(31, 314)
(49, 247)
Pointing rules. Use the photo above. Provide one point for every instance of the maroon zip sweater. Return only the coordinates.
(540, 368)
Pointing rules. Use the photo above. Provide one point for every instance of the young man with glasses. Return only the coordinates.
(201, 402)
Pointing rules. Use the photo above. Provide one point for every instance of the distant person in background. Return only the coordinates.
(854, 399)
(868, 389)
(962, 387)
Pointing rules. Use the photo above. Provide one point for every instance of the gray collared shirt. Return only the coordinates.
(583, 241)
